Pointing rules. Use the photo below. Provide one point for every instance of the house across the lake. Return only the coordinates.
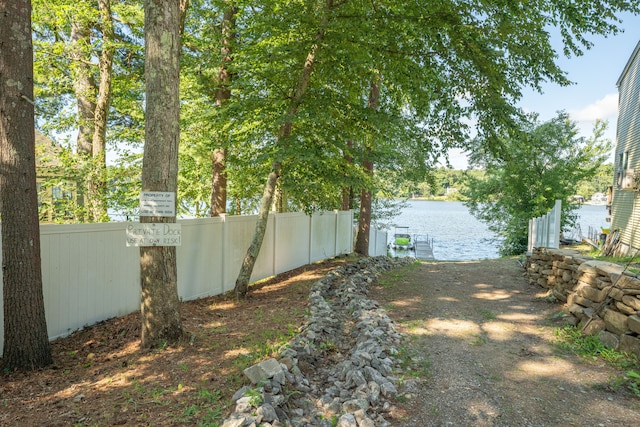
(625, 204)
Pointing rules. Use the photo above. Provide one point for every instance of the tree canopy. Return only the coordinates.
(442, 66)
(540, 163)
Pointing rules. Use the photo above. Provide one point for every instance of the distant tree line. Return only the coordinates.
(452, 184)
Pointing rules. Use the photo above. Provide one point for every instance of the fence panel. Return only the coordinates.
(323, 242)
(201, 258)
(294, 239)
(237, 238)
(544, 231)
(377, 242)
(344, 232)
(90, 275)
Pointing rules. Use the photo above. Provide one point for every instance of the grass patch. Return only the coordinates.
(397, 276)
(264, 346)
(596, 253)
(487, 314)
(412, 324)
(413, 362)
(570, 339)
(479, 339)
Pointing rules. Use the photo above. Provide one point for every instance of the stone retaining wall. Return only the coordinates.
(602, 297)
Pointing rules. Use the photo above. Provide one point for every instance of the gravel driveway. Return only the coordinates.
(480, 341)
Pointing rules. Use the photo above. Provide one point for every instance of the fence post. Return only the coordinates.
(532, 234)
(336, 215)
(557, 211)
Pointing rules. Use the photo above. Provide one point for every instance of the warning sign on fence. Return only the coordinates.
(158, 203)
(154, 234)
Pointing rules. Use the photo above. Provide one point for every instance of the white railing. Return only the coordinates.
(544, 231)
(90, 275)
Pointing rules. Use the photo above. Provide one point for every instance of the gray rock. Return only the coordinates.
(629, 344)
(388, 389)
(363, 420)
(609, 340)
(234, 420)
(372, 374)
(240, 393)
(355, 404)
(374, 392)
(266, 413)
(243, 405)
(355, 378)
(347, 420)
(270, 368)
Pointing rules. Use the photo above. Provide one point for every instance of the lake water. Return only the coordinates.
(459, 236)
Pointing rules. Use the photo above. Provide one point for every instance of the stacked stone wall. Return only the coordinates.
(602, 297)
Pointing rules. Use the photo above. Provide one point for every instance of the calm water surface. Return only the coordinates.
(459, 236)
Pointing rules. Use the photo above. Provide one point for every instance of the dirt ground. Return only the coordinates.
(482, 341)
(101, 377)
(479, 352)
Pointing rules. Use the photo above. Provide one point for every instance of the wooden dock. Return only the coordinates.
(424, 247)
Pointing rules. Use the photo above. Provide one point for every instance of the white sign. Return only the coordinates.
(158, 203)
(154, 234)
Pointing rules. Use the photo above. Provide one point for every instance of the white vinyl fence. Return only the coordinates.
(90, 275)
(377, 242)
(544, 231)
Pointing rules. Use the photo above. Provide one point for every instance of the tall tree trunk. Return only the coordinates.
(347, 191)
(219, 182)
(280, 204)
(364, 219)
(98, 179)
(26, 342)
(242, 282)
(160, 304)
(93, 101)
(85, 92)
(83, 83)
(347, 198)
(223, 94)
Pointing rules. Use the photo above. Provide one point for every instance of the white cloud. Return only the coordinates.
(604, 109)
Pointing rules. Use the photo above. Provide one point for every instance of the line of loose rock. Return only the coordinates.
(338, 371)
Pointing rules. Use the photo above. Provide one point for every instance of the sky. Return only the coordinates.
(594, 94)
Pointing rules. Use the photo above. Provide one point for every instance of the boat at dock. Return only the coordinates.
(420, 244)
(402, 239)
